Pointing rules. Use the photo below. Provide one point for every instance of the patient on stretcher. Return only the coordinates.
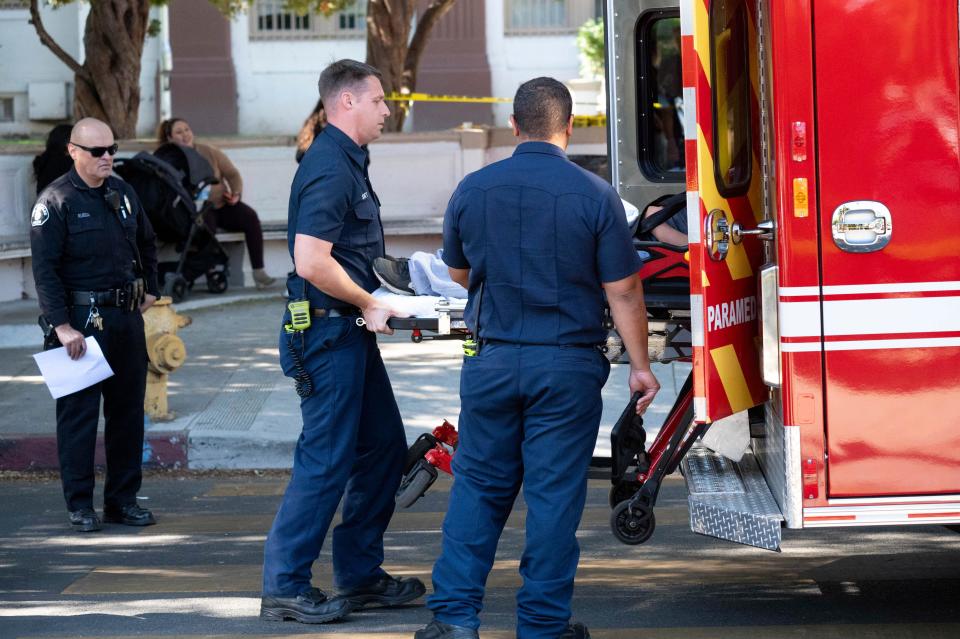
(663, 220)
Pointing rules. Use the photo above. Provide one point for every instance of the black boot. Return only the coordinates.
(439, 630)
(310, 606)
(386, 591)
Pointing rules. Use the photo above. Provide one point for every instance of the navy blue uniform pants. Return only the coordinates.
(124, 346)
(529, 417)
(352, 448)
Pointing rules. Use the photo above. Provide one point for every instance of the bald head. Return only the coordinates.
(91, 132)
(90, 147)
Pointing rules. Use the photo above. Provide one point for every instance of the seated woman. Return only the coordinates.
(228, 212)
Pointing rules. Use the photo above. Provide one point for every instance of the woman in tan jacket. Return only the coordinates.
(228, 212)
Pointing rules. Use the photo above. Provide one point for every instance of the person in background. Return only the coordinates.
(311, 128)
(228, 212)
(55, 160)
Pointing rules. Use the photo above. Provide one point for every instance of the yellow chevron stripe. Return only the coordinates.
(732, 378)
(736, 259)
(701, 34)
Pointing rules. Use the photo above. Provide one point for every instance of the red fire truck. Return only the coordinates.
(818, 142)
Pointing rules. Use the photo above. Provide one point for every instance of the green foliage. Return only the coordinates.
(230, 8)
(590, 43)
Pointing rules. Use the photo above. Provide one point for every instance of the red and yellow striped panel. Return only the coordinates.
(727, 375)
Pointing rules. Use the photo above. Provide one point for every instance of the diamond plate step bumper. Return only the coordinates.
(731, 500)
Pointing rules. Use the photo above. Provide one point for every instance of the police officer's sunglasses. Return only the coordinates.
(98, 151)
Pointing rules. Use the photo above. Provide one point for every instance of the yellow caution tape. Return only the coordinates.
(426, 97)
(589, 120)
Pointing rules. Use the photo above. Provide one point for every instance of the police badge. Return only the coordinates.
(39, 215)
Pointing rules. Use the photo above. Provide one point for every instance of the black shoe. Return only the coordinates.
(85, 520)
(394, 274)
(310, 606)
(129, 515)
(575, 631)
(439, 630)
(386, 591)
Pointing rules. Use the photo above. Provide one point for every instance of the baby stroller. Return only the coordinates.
(172, 184)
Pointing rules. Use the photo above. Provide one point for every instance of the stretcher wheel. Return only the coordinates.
(621, 491)
(216, 281)
(425, 443)
(632, 525)
(415, 484)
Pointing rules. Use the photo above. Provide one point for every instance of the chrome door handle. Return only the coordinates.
(861, 226)
(764, 231)
(718, 233)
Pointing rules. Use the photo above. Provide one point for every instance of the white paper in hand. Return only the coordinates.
(64, 375)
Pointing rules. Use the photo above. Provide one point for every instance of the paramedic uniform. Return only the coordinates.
(539, 235)
(352, 445)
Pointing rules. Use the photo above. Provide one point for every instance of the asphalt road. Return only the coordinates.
(196, 574)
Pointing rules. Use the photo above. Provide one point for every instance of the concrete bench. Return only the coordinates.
(403, 237)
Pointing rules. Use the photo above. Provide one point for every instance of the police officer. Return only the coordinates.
(353, 445)
(536, 240)
(95, 267)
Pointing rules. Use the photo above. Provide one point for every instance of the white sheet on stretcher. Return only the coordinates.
(413, 305)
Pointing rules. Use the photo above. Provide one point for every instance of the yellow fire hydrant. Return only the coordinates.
(165, 352)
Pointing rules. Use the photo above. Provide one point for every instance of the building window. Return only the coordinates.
(548, 17)
(660, 96)
(270, 21)
(730, 77)
(6, 109)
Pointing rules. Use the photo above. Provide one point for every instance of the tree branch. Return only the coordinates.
(47, 40)
(431, 16)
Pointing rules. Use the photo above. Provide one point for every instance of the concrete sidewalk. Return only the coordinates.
(234, 408)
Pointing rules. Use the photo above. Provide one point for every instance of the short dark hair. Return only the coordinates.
(343, 74)
(542, 107)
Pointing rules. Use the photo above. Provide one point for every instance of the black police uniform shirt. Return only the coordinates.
(331, 199)
(541, 234)
(79, 243)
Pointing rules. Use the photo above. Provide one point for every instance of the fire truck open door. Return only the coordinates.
(889, 182)
(725, 184)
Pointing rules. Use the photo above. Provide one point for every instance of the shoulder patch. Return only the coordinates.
(39, 215)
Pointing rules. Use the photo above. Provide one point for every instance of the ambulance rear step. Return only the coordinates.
(731, 500)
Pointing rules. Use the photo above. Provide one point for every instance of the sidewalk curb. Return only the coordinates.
(39, 452)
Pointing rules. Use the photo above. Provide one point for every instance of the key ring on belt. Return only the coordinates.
(360, 321)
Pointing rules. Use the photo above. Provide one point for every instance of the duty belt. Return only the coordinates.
(340, 311)
(112, 297)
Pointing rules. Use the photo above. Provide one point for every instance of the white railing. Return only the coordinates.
(547, 17)
(270, 21)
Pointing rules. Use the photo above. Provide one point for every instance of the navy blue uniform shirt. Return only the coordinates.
(541, 234)
(79, 243)
(331, 199)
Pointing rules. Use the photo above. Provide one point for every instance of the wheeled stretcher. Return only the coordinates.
(636, 471)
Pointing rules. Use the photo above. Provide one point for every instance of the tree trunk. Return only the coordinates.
(107, 84)
(108, 88)
(392, 50)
